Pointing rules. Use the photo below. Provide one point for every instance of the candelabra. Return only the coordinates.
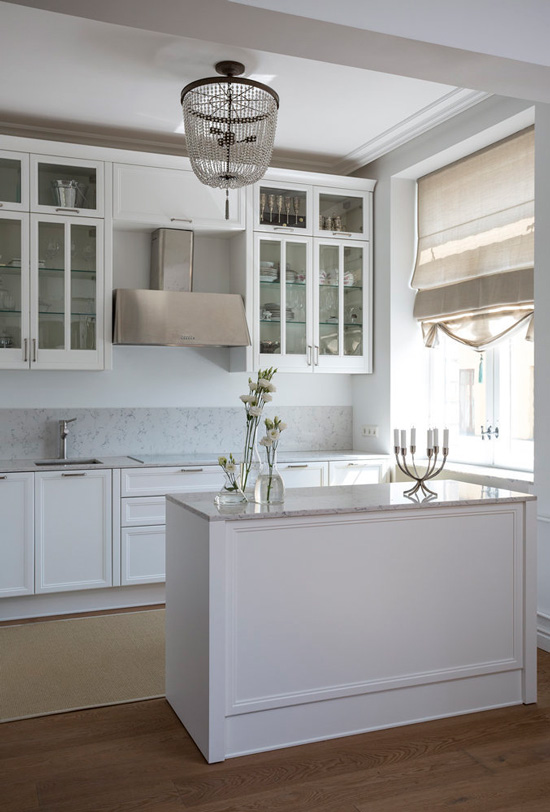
(432, 452)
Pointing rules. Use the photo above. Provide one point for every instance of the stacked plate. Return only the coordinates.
(268, 272)
(275, 309)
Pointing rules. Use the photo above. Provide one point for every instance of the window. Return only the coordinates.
(474, 393)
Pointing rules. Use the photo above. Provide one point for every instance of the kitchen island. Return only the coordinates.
(346, 610)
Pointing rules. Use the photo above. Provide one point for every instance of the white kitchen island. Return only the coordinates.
(346, 610)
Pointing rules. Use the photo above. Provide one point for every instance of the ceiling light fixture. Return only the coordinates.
(230, 128)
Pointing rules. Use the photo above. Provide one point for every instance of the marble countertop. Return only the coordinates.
(168, 460)
(348, 499)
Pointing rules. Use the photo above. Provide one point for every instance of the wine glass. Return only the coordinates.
(287, 208)
(296, 206)
(271, 204)
(263, 201)
(280, 200)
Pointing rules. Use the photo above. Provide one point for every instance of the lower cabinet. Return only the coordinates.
(304, 474)
(358, 472)
(73, 535)
(143, 556)
(17, 534)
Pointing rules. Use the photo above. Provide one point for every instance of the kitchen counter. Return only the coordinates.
(346, 610)
(348, 499)
(168, 460)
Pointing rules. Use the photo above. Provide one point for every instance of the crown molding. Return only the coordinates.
(453, 103)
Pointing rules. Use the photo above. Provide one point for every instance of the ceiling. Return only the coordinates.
(104, 82)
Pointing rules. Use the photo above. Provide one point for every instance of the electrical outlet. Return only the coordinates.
(369, 431)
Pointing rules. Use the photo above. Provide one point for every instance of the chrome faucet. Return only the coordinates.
(63, 434)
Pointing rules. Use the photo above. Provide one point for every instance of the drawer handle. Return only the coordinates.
(190, 470)
(34, 350)
(3, 477)
(354, 465)
(80, 473)
(25, 349)
(1, 205)
(180, 220)
(341, 233)
(75, 210)
(297, 466)
(282, 228)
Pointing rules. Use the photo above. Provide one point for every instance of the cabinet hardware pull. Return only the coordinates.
(34, 349)
(341, 233)
(190, 470)
(316, 355)
(73, 473)
(76, 210)
(180, 220)
(298, 466)
(354, 464)
(3, 477)
(1, 205)
(308, 355)
(25, 349)
(282, 228)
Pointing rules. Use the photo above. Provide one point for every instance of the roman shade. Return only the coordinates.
(475, 257)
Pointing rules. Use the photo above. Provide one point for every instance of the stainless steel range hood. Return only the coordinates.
(169, 314)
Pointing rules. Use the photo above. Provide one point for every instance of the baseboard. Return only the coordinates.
(543, 631)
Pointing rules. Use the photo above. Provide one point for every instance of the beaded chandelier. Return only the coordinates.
(230, 128)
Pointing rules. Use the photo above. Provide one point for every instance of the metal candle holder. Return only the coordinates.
(431, 469)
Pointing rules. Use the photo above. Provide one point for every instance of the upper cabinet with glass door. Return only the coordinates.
(341, 213)
(283, 207)
(66, 186)
(14, 181)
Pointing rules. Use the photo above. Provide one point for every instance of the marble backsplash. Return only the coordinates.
(34, 433)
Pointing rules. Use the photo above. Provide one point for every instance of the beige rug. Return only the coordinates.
(61, 665)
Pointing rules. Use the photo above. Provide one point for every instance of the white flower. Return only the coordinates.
(274, 434)
(267, 441)
(247, 398)
(255, 411)
(230, 467)
(271, 387)
(282, 426)
(263, 383)
(267, 397)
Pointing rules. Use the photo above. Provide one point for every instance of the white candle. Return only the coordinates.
(430, 439)
(403, 438)
(413, 436)
(396, 437)
(436, 437)
(445, 438)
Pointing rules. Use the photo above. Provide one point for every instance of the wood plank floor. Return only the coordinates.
(138, 757)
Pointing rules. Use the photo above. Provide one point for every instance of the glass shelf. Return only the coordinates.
(15, 312)
(293, 284)
(278, 321)
(62, 270)
(346, 287)
(55, 313)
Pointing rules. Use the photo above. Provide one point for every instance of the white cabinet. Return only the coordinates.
(66, 186)
(14, 180)
(14, 290)
(304, 474)
(17, 534)
(341, 213)
(358, 472)
(173, 198)
(143, 555)
(72, 530)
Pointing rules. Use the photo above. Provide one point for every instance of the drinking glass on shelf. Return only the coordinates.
(296, 207)
(280, 200)
(263, 201)
(271, 204)
(287, 208)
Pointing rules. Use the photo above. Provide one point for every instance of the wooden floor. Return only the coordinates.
(138, 757)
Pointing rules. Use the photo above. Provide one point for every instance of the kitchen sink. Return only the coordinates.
(79, 461)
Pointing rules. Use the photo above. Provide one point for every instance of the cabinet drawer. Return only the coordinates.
(143, 555)
(304, 475)
(145, 510)
(356, 473)
(160, 481)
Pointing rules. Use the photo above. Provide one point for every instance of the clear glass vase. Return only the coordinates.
(230, 494)
(270, 488)
(250, 470)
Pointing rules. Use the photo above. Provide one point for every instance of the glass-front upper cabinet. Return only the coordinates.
(282, 207)
(14, 181)
(283, 284)
(342, 296)
(341, 213)
(66, 186)
(66, 293)
(14, 290)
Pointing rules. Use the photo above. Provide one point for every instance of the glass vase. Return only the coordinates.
(250, 470)
(270, 488)
(230, 494)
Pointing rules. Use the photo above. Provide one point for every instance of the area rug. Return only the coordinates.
(62, 665)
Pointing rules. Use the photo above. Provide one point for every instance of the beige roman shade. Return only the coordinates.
(474, 265)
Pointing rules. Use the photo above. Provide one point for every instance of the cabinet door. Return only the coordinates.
(17, 535)
(143, 552)
(304, 474)
(342, 304)
(73, 530)
(282, 207)
(357, 473)
(14, 181)
(174, 198)
(160, 481)
(66, 293)
(284, 325)
(67, 186)
(341, 213)
(14, 290)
